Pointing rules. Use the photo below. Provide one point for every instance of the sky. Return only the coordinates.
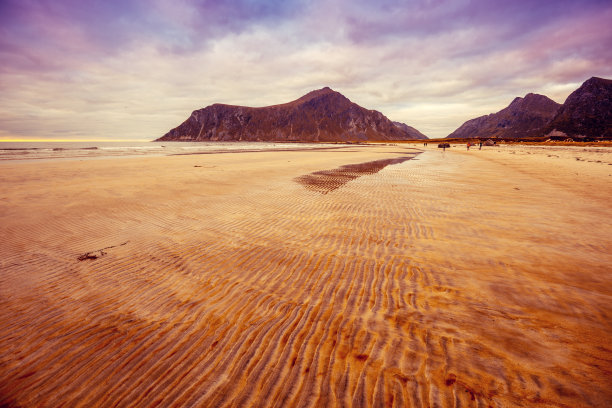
(134, 69)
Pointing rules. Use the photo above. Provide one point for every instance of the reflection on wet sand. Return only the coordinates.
(324, 181)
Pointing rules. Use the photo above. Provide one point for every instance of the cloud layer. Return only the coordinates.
(119, 69)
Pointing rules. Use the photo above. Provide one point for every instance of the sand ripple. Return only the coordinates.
(431, 282)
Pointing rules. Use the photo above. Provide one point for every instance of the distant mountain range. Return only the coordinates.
(523, 117)
(587, 112)
(323, 115)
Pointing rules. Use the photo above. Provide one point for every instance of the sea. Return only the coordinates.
(99, 150)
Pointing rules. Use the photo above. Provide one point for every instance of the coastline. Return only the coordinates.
(14, 151)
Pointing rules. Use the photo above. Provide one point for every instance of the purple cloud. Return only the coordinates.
(430, 63)
(371, 21)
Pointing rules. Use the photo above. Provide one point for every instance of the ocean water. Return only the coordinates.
(92, 150)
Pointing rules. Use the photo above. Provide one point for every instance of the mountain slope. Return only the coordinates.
(523, 117)
(586, 112)
(412, 131)
(321, 115)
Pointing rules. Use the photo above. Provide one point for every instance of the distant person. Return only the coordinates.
(468, 145)
(480, 146)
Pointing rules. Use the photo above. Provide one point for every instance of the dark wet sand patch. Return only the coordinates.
(325, 181)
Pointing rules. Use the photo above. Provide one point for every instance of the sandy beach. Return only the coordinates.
(380, 275)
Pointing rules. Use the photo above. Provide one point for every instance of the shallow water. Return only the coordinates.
(83, 150)
(324, 181)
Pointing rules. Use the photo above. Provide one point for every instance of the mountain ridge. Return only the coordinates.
(322, 115)
(587, 112)
(524, 116)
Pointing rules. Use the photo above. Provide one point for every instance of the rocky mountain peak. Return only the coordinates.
(587, 112)
(523, 117)
(320, 115)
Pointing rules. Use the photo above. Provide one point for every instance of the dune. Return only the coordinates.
(359, 276)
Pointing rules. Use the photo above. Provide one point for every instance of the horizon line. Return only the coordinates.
(37, 140)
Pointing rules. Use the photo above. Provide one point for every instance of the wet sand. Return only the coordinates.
(307, 279)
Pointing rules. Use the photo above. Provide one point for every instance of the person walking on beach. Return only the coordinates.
(480, 146)
(468, 145)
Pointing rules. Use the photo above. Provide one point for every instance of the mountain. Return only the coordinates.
(412, 131)
(323, 115)
(524, 117)
(586, 112)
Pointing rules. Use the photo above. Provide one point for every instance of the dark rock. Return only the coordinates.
(488, 142)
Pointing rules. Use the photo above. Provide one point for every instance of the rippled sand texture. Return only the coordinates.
(453, 279)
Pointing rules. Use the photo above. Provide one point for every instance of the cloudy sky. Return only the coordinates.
(133, 69)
